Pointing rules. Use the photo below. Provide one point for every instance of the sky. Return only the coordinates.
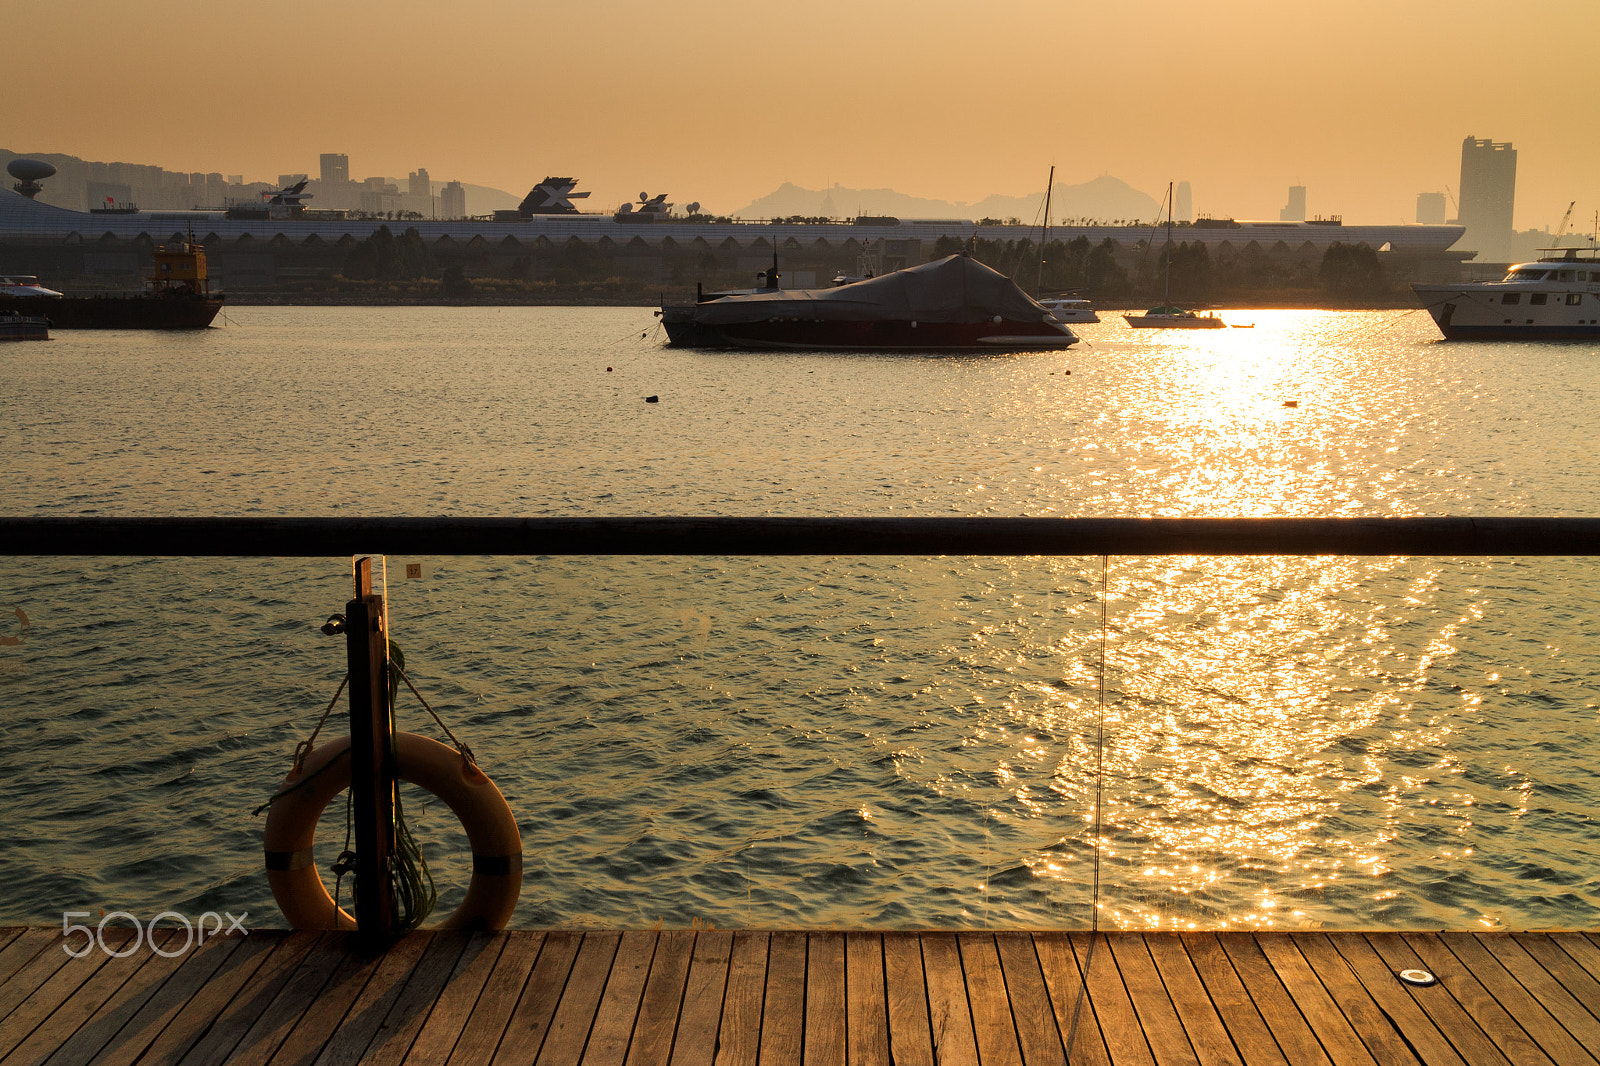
(1364, 102)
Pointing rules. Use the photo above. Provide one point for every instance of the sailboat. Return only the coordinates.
(1166, 316)
(1066, 307)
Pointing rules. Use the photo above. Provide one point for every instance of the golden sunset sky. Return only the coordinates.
(1363, 101)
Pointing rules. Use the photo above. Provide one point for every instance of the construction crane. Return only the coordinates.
(1565, 220)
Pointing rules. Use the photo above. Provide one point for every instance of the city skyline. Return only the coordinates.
(1364, 104)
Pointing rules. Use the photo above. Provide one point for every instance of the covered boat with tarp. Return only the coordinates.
(955, 303)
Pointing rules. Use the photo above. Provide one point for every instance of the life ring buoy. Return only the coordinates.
(483, 811)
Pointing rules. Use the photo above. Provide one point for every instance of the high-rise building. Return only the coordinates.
(418, 183)
(453, 201)
(335, 167)
(1183, 209)
(1295, 210)
(1488, 194)
(1430, 208)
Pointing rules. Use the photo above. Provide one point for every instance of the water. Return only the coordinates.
(901, 742)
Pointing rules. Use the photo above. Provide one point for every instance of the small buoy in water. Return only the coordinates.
(1067, 372)
(1417, 977)
(1291, 403)
(608, 370)
(652, 399)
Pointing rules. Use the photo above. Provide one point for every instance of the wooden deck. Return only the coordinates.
(807, 998)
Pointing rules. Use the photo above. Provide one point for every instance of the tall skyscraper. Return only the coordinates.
(1295, 210)
(1488, 194)
(418, 183)
(453, 201)
(1430, 208)
(335, 168)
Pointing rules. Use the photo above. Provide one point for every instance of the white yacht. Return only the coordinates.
(1069, 308)
(1556, 298)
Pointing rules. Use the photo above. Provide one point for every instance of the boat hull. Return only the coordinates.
(118, 312)
(1479, 311)
(23, 328)
(876, 336)
(1173, 321)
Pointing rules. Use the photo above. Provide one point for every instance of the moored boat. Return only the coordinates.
(1554, 298)
(1069, 308)
(950, 304)
(15, 327)
(1167, 316)
(178, 297)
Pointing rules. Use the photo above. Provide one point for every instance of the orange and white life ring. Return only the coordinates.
(483, 811)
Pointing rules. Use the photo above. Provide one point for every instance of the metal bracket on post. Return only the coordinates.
(372, 776)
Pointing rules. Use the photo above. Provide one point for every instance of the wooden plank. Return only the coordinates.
(1158, 1017)
(1107, 1006)
(1535, 1020)
(1035, 1021)
(1283, 1019)
(456, 1001)
(1207, 1035)
(1583, 1026)
(613, 1026)
(1064, 1013)
(42, 966)
(1235, 1008)
(619, 1007)
(481, 1035)
(8, 933)
(266, 1034)
(19, 950)
(1477, 1001)
(48, 999)
(910, 1035)
(408, 1013)
(825, 1000)
(586, 984)
(84, 1001)
(208, 1000)
(279, 954)
(701, 1015)
(1584, 986)
(739, 1035)
(1582, 950)
(320, 1019)
(1378, 1030)
(530, 1021)
(866, 1002)
(663, 998)
(194, 967)
(783, 1015)
(105, 1032)
(1393, 954)
(992, 1026)
(365, 1017)
(1339, 1040)
(1401, 1003)
(949, 1016)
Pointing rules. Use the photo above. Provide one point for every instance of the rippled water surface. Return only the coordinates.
(902, 742)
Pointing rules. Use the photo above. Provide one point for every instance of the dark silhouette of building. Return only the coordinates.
(1295, 210)
(1430, 208)
(1488, 194)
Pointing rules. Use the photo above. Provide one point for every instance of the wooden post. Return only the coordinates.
(371, 756)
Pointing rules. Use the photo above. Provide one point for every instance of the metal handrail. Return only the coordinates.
(327, 537)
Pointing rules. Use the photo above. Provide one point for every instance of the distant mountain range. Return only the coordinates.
(1105, 199)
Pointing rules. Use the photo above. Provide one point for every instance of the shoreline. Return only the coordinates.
(1297, 302)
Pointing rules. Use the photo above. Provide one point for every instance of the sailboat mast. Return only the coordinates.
(1166, 287)
(1044, 240)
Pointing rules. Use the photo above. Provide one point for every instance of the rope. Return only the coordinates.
(1099, 781)
(460, 745)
